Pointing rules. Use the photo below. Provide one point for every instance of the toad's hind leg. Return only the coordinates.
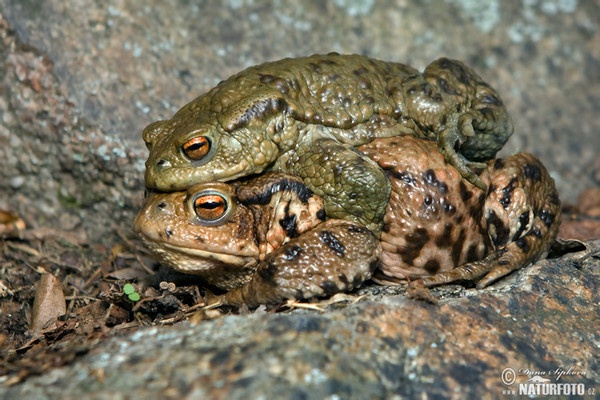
(478, 128)
(335, 256)
(521, 215)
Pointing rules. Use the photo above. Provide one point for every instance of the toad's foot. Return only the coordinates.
(335, 256)
(450, 139)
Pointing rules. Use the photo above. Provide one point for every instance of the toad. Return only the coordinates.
(438, 228)
(305, 116)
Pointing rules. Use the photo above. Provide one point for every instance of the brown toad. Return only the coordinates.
(305, 116)
(437, 227)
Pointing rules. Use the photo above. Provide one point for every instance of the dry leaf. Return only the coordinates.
(10, 222)
(49, 302)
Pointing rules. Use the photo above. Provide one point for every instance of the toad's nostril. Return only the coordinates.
(162, 205)
(162, 164)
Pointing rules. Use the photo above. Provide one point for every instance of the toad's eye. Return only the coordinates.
(210, 208)
(196, 148)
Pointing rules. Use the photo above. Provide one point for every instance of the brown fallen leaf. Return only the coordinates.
(10, 223)
(49, 302)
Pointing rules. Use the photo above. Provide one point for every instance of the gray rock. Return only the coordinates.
(541, 321)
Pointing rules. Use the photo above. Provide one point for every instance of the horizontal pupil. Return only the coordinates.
(195, 146)
(211, 205)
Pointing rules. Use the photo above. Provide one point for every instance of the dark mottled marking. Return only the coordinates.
(523, 244)
(432, 180)
(329, 287)
(532, 172)
(360, 71)
(472, 253)
(445, 239)
(491, 99)
(457, 247)
(499, 163)
(321, 214)
(200, 239)
(503, 262)
(404, 177)
(430, 177)
(507, 192)
(357, 229)
(444, 119)
(547, 217)
(554, 198)
(386, 227)
(476, 213)
(457, 70)
(426, 89)
(291, 253)
(487, 113)
(465, 194)
(288, 223)
(446, 88)
(169, 232)
(333, 77)
(523, 221)
(428, 200)
(536, 232)
(448, 207)
(268, 272)
(358, 279)
(283, 184)
(432, 266)
(259, 110)
(443, 187)
(333, 243)
(491, 189)
(294, 84)
(415, 241)
(502, 230)
(342, 278)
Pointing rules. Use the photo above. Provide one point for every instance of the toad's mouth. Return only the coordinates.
(196, 261)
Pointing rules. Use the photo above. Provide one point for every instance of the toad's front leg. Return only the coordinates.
(335, 256)
(521, 215)
(353, 186)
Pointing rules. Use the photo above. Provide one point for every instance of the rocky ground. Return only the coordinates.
(80, 79)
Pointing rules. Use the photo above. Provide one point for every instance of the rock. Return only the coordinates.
(541, 321)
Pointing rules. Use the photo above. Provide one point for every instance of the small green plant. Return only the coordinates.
(129, 290)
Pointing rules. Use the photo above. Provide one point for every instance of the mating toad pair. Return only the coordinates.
(305, 177)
